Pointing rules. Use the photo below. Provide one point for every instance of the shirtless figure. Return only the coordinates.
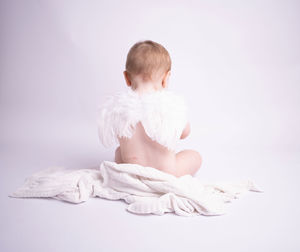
(147, 71)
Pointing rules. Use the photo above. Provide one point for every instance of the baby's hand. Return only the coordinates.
(186, 131)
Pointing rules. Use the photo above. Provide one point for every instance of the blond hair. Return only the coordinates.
(148, 59)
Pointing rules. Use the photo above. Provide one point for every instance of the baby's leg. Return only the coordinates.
(187, 162)
(118, 157)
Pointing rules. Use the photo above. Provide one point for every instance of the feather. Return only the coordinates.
(163, 115)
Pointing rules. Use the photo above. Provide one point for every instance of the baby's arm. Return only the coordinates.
(186, 131)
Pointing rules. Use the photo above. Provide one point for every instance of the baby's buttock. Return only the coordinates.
(161, 161)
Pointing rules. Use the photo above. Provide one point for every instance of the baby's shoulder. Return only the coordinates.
(166, 97)
(172, 101)
(121, 101)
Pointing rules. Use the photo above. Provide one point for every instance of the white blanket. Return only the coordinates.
(146, 189)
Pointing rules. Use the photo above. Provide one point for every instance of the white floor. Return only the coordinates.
(266, 221)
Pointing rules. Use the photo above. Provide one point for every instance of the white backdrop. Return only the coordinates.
(236, 62)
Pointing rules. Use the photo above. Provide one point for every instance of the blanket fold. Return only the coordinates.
(146, 190)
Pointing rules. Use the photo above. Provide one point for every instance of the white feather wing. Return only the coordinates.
(162, 114)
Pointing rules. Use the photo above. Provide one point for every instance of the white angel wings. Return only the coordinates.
(163, 115)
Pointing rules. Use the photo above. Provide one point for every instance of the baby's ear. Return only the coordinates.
(127, 78)
(165, 80)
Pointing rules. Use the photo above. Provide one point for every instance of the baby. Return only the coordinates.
(148, 120)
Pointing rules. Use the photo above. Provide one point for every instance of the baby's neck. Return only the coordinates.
(147, 88)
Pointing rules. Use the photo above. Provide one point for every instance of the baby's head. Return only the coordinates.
(148, 66)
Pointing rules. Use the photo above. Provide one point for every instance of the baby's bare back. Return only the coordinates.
(141, 149)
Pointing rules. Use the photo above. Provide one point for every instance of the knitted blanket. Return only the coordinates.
(146, 190)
